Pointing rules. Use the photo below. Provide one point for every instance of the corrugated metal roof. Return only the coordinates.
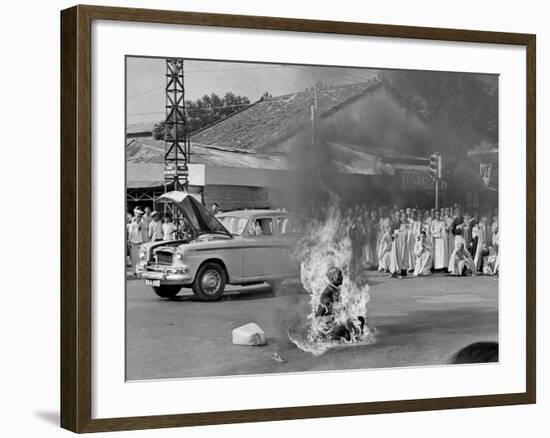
(144, 184)
(148, 150)
(146, 157)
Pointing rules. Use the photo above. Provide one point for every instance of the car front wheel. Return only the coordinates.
(167, 291)
(209, 283)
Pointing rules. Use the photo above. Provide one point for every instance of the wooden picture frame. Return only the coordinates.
(76, 219)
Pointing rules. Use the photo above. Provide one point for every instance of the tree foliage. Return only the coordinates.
(461, 108)
(205, 111)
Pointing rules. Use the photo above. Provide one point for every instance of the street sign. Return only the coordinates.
(485, 171)
(173, 170)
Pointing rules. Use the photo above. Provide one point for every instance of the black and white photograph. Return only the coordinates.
(291, 218)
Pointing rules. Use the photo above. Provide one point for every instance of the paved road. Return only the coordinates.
(418, 321)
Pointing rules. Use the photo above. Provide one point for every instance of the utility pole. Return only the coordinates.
(176, 139)
(437, 193)
(437, 173)
(315, 97)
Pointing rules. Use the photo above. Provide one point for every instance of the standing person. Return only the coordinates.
(369, 252)
(128, 248)
(495, 236)
(385, 252)
(374, 236)
(396, 219)
(481, 241)
(215, 209)
(137, 234)
(357, 237)
(380, 230)
(147, 219)
(427, 223)
(423, 253)
(168, 228)
(155, 227)
(384, 224)
(457, 227)
(414, 227)
(399, 257)
(440, 242)
(473, 225)
(448, 220)
(467, 231)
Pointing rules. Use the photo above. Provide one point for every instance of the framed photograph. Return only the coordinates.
(269, 219)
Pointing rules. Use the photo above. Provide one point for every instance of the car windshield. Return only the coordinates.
(235, 225)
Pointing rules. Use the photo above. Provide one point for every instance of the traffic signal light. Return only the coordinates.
(435, 165)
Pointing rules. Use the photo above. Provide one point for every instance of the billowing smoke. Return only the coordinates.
(327, 242)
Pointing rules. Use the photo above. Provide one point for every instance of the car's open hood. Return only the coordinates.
(196, 215)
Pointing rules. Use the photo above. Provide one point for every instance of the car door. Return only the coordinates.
(261, 252)
(289, 230)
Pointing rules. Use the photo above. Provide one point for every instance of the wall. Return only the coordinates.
(29, 313)
(236, 197)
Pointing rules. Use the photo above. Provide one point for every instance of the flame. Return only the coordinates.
(326, 243)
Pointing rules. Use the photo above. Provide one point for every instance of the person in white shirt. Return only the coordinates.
(146, 218)
(137, 234)
(155, 227)
(168, 228)
(440, 241)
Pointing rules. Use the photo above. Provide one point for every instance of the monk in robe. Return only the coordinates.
(440, 241)
(447, 218)
(482, 239)
(374, 237)
(494, 229)
(384, 252)
(369, 257)
(384, 226)
(330, 302)
(461, 262)
(423, 254)
(489, 259)
(399, 257)
(457, 227)
(414, 227)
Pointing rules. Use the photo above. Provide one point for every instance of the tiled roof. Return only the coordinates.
(272, 120)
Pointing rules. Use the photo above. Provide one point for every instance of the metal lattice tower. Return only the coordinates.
(176, 140)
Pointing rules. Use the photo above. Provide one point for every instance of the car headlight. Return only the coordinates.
(179, 255)
(142, 254)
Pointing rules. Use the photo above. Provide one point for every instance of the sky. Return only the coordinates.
(146, 81)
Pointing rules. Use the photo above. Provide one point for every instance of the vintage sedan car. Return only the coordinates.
(240, 247)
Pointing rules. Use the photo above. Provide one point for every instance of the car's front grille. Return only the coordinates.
(162, 258)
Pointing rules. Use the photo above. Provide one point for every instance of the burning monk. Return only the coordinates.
(329, 305)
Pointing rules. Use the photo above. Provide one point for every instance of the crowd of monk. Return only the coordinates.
(401, 241)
